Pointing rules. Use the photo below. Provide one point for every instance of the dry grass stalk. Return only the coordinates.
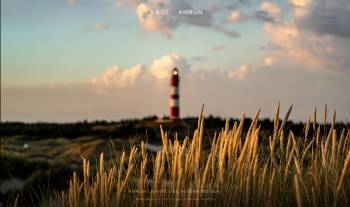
(298, 191)
(345, 170)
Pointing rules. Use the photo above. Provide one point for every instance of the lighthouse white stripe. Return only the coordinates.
(174, 90)
(174, 103)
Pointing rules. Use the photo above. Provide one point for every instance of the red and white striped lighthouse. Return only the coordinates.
(174, 95)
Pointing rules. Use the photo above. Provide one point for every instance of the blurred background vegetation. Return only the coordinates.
(39, 158)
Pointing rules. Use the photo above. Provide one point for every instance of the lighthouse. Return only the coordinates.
(174, 95)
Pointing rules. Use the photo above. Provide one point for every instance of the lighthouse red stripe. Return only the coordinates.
(174, 81)
(174, 112)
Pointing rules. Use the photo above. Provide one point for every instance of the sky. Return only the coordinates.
(72, 60)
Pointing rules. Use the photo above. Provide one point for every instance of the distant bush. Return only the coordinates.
(18, 166)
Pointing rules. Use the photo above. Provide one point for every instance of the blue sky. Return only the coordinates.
(44, 38)
(112, 50)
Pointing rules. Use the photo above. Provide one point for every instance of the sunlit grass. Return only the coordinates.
(238, 169)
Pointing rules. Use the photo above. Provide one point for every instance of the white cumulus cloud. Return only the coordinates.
(299, 46)
(151, 22)
(234, 16)
(269, 61)
(272, 9)
(240, 73)
(116, 77)
(161, 68)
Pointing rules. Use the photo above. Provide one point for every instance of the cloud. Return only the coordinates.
(300, 7)
(101, 26)
(197, 58)
(72, 2)
(151, 22)
(166, 16)
(270, 8)
(228, 32)
(234, 16)
(219, 93)
(266, 12)
(161, 68)
(240, 73)
(297, 41)
(157, 74)
(270, 47)
(321, 16)
(115, 77)
(165, 23)
(326, 17)
(299, 46)
(129, 2)
(309, 40)
(262, 16)
(269, 61)
(218, 47)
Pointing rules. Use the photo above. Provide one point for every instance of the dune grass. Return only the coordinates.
(239, 168)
